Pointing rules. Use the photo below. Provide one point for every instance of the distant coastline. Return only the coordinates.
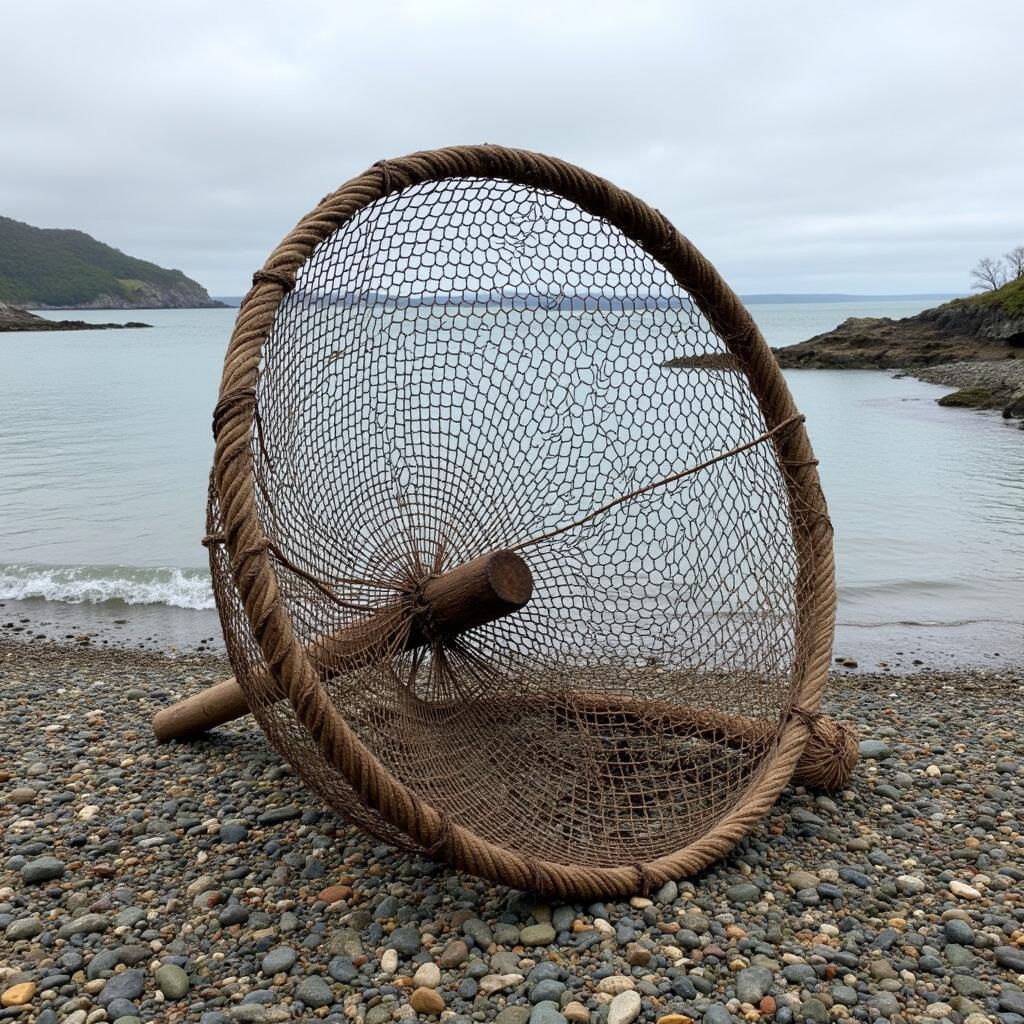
(784, 297)
(13, 318)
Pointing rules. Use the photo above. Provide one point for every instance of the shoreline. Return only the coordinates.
(896, 649)
(203, 881)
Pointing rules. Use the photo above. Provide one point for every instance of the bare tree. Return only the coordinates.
(989, 274)
(1015, 261)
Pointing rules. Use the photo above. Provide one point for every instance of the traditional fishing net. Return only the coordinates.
(461, 353)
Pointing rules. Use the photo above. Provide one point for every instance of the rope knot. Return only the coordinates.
(210, 539)
(228, 401)
(442, 840)
(386, 180)
(806, 715)
(644, 879)
(278, 277)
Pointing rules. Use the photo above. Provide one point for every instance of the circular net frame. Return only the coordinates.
(471, 363)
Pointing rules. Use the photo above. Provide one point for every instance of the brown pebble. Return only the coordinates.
(426, 1001)
(454, 954)
(333, 893)
(18, 995)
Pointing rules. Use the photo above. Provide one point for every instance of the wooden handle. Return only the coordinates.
(470, 595)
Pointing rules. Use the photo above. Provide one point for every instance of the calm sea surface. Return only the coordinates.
(105, 447)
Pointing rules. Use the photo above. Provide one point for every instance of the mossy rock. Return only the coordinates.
(971, 398)
(1014, 408)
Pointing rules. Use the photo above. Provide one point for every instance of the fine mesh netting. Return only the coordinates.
(468, 366)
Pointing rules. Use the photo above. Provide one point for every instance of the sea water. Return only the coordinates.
(105, 447)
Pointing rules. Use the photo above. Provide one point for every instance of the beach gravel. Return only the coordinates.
(202, 882)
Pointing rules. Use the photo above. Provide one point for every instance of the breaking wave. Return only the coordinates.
(99, 584)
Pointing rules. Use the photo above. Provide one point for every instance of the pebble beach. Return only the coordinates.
(202, 882)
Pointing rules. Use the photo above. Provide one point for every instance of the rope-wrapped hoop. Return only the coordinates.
(279, 654)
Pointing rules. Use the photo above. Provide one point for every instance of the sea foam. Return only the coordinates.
(89, 584)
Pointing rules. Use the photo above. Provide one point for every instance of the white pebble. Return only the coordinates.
(427, 975)
(625, 1008)
(491, 983)
(964, 891)
(389, 961)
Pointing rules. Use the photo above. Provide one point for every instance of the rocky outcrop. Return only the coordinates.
(986, 327)
(880, 343)
(1014, 407)
(980, 385)
(12, 318)
(974, 345)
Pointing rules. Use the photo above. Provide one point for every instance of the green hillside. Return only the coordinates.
(1009, 298)
(61, 268)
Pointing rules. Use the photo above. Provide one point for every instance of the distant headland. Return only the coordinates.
(974, 344)
(52, 268)
(981, 327)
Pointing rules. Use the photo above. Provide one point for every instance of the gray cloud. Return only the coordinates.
(870, 147)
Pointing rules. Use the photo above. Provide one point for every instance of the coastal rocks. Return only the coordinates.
(911, 884)
(492, 983)
(279, 960)
(406, 941)
(979, 384)
(126, 985)
(1010, 957)
(26, 928)
(453, 955)
(172, 981)
(743, 893)
(964, 891)
(825, 928)
(752, 984)
(616, 984)
(874, 750)
(971, 398)
(314, 992)
(13, 318)
(974, 345)
(881, 343)
(87, 924)
(984, 327)
(427, 1001)
(18, 995)
(1014, 407)
(624, 1008)
(43, 869)
(537, 935)
(427, 975)
(546, 1013)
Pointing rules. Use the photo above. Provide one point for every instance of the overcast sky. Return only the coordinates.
(804, 147)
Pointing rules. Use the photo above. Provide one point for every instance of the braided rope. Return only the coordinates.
(286, 657)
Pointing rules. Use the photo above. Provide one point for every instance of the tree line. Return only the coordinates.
(991, 274)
